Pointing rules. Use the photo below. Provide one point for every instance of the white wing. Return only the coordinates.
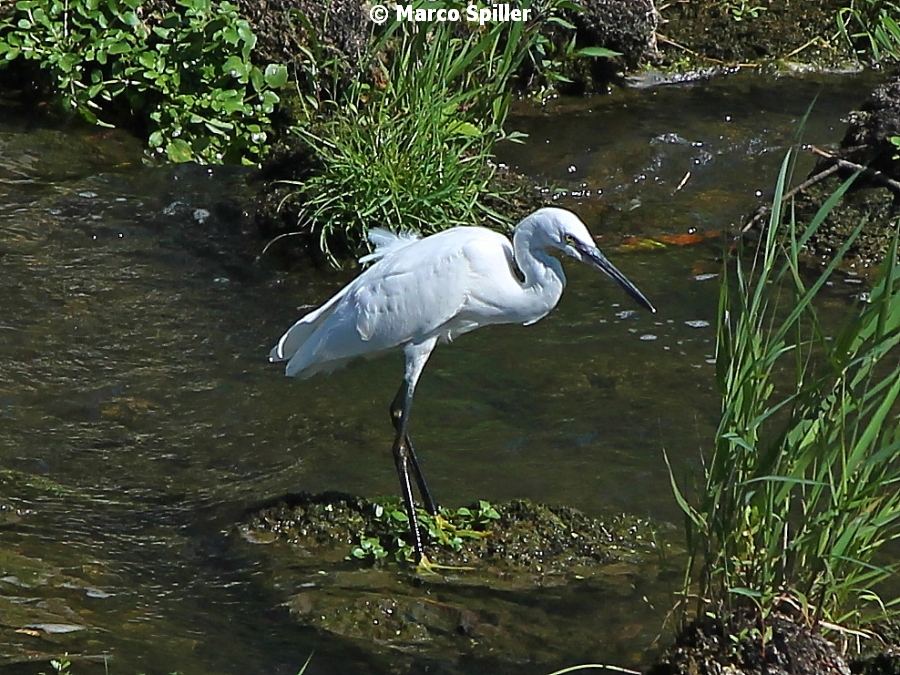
(414, 292)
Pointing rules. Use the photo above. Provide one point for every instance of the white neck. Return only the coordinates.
(543, 273)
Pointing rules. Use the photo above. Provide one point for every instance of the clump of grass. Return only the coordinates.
(801, 489)
(413, 148)
(413, 152)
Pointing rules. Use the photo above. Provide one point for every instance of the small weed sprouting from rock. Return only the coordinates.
(741, 10)
(449, 530)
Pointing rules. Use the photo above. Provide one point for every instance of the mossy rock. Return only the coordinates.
(873, 206)
(531, 594)
(870, 200)
(521, 540)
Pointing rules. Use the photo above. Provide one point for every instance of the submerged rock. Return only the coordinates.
(537, 580)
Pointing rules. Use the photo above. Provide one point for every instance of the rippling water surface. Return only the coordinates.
(139, 418)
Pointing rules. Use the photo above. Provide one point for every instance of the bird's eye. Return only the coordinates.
(569, 239)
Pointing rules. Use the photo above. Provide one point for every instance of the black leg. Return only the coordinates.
(401, 460)
(396, 420)
(416, 357)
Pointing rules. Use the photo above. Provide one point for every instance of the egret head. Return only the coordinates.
(563, 230)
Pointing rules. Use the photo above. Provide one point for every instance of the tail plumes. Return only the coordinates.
(386, 242)
(301, 331)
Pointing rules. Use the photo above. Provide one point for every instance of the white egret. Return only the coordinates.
(419, 292)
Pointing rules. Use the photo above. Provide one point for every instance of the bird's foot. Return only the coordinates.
(426, 567)
(442, 526)
(442, 523)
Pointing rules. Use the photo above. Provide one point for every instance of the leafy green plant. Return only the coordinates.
(188, 79)
(800, 493)
(871, 27)
(551, 52)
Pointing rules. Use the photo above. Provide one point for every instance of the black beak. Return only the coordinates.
(596, 258)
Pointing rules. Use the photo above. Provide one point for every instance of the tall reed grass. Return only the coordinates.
(802, 487)
(872, 27)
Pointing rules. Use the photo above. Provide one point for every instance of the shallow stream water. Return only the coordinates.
(139, 418)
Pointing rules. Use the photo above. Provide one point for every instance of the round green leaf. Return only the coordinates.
(276, 75)
(179, 150)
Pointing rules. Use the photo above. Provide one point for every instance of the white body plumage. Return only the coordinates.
(435, 288)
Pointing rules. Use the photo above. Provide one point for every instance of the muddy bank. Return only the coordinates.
(874, 198)
(704, 33)
(781, 644)
(740, 645)
(881, 654)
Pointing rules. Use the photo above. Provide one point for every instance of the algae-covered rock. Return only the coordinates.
(514, 539)
(874, 207)
(874, 198)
